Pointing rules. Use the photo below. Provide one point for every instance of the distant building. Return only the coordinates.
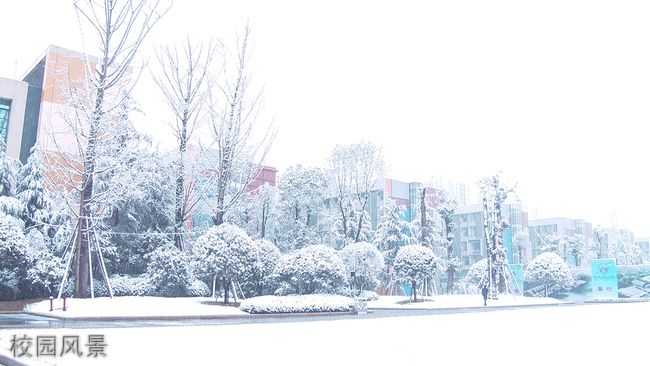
(540, 228)
(470, 243)
(13, 98)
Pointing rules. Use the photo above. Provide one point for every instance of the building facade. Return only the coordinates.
(13, 99)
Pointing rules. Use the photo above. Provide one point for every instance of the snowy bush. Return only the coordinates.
(313, 269)
(169, 271)
(131, 286)
(414, 264)
(45, 273)
(363, 295)
(366, 262)
(550, 271)
(228, 253)
(477, 275)
(269, 256)
(13, 258)
(297, 304)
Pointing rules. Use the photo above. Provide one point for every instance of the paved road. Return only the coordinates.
(27, 321)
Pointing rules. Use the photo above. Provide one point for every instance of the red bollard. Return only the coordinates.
(64, 302)
(51, 303)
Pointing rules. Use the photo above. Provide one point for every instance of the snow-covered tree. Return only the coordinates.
(494, 194)
(265, 212)
(97, 106)
(354, 170)
(312, 269)
(226, 252)
(9, 176)
(598, 247)
(574, 246)
(416, 264)
(366, 262)
(477, 275)
(182, 80)
(392, 231)
(554, 243)
(233, 158)
(550, 271)
(445, 207)
(302, 191)
(141, 219)
(32, 194)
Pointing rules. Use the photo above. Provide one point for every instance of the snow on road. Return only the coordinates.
(455, 301)
(566, 335)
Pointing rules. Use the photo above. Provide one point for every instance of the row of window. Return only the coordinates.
(5, 107)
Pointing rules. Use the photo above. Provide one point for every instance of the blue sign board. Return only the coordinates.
(604, 280)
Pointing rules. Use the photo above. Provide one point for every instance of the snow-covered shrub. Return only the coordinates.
(476, 276)
(198, 288)
(13, 258)
(131, 286)
(550, 271)
(414, 264)
(262, 280)
(44, 275)
(169, 271)
(313, 269)
(362, 295)
(226, 252)
(297, 304)
(366, 262)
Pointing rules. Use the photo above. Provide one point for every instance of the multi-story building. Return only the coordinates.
(540, 228)
(470, 243)
(13, 98)
(44, 94)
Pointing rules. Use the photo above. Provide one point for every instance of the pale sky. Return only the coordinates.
(556, 94)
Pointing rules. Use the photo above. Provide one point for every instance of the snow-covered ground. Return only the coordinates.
(604, 334)
(134, 306)
(455, 301)
(144, 306)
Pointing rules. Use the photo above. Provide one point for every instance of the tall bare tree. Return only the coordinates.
(235, 156)
(182, 80)
(354, 171)
(98, 103)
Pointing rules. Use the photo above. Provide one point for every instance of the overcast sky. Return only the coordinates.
(556, 94)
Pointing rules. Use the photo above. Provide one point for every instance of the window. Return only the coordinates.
(5, 107)
(463, 232)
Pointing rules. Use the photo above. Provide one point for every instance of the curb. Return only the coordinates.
(186, 317)
(477, 307)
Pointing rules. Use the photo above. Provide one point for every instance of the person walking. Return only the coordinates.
(484, 292)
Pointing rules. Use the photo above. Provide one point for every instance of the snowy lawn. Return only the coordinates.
(455, 301)
(607, 334)
(134, 306)
(297, 304)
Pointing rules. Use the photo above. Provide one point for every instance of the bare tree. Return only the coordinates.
(182, 81)
(354, 171)
(98, 103)
(234, 158)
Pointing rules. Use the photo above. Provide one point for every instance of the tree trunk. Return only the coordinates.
(217, 219)
(180, 194)
(415, 296)
(82, 272)
(264, 214)
(450, 280)
(225, 290)
(363, 208)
